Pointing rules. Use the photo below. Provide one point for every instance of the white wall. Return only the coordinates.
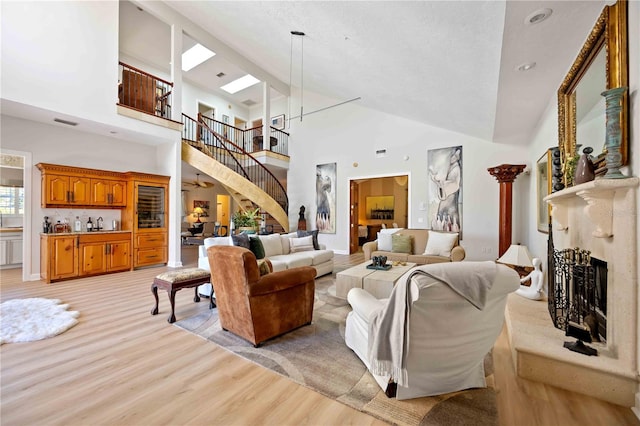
(351, 133)
(57, 145)
(63, 57)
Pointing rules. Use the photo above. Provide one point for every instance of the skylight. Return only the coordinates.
(240, 84)
(195, 56)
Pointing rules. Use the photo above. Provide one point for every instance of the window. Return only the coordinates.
(11, 200)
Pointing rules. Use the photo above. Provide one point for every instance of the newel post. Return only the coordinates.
(505, 174)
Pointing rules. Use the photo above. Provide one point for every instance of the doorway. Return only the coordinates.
(377, 202)
(206, 110)
(222, 209)
(16, 209)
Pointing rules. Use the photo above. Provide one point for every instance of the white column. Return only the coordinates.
(266, 114)
(176, 72)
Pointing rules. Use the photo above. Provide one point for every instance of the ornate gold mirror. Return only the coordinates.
(600, 65)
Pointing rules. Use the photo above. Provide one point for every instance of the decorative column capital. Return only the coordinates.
(506, 172)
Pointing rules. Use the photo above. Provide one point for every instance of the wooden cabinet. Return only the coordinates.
(110, 193)
(66, 256)
(64, 186)
(101, 253)
(65, 190)
(58, 257)
(147, 215)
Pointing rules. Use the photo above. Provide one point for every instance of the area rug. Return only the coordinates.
(27, 320)
(316, 356)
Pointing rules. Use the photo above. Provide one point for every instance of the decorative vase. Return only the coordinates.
(613, 100)
(585, 172)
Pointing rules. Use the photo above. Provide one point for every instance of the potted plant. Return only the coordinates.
(246, 220)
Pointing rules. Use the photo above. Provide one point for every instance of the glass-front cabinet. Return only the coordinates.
(151, 208)
(146, 215)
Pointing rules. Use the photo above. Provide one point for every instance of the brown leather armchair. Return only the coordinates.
(256, 307)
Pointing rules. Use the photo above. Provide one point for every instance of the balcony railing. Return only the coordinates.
(144, 92)
(233, 156)
(251, 139)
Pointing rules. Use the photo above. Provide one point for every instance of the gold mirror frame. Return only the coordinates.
(609, 32)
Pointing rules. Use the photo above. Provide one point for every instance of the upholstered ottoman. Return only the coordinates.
(172, 281)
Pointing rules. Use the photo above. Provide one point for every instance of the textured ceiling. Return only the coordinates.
(450, 64)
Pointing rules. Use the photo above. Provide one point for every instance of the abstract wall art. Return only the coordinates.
(445, 189)
(326, 198)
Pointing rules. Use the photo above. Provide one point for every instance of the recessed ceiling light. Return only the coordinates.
(526, 66)
(538, 16)
(240, 84)
(195, 56)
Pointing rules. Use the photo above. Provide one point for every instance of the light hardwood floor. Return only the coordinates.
(121, 365)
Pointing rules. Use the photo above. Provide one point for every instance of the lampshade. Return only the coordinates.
(517, 255)
(198, 210)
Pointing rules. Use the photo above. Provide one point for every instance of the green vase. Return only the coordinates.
(613, 138)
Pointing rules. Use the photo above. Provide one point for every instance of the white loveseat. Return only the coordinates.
(447, 337)
(277, 248)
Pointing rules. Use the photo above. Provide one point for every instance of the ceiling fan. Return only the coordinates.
(200, 184)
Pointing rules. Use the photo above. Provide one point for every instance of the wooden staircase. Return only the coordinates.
(246, 179)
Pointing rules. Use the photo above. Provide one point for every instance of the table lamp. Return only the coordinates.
(518, 258)
(198, 211)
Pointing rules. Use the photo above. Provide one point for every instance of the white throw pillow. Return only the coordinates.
(385, 241)
(217, 241)
(272, 245)
(301, 244)
(390, 230)
(284, 240)
(440, 243)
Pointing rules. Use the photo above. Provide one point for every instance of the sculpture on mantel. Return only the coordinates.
(536, 278)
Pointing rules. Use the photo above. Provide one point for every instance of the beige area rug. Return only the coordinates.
(27, 320)
(316, 356)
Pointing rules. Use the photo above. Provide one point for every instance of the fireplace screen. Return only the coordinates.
(578, 292)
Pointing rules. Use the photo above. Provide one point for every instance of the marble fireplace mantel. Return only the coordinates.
(598, 194)
(600, 216)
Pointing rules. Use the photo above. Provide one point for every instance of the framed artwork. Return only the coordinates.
(278, 121)
(201, 203)
(326, 198)
(380, 207)
(445, 189)
(543, 188)
(225, 119)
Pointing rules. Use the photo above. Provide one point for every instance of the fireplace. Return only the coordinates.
(592, 266)
(578, 293)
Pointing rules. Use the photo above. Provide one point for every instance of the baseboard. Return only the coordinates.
(34, 277)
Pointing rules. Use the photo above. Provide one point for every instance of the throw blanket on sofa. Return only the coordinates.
(389, 327)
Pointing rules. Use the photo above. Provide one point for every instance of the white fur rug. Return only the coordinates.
(26, 320)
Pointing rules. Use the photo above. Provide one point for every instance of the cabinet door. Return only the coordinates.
(56, 189)
(119, 256)
(14, 255)
(118, 193)
(80, 188)
(63, 258)
(93, 258)
(4, 252)
(99, 192)
(108, 192)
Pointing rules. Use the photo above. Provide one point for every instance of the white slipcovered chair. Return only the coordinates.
(448, 337)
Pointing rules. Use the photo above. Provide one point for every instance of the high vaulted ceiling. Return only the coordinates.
(450, 64)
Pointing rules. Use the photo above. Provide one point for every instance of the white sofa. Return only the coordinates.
(448, 337)
(277, 248)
